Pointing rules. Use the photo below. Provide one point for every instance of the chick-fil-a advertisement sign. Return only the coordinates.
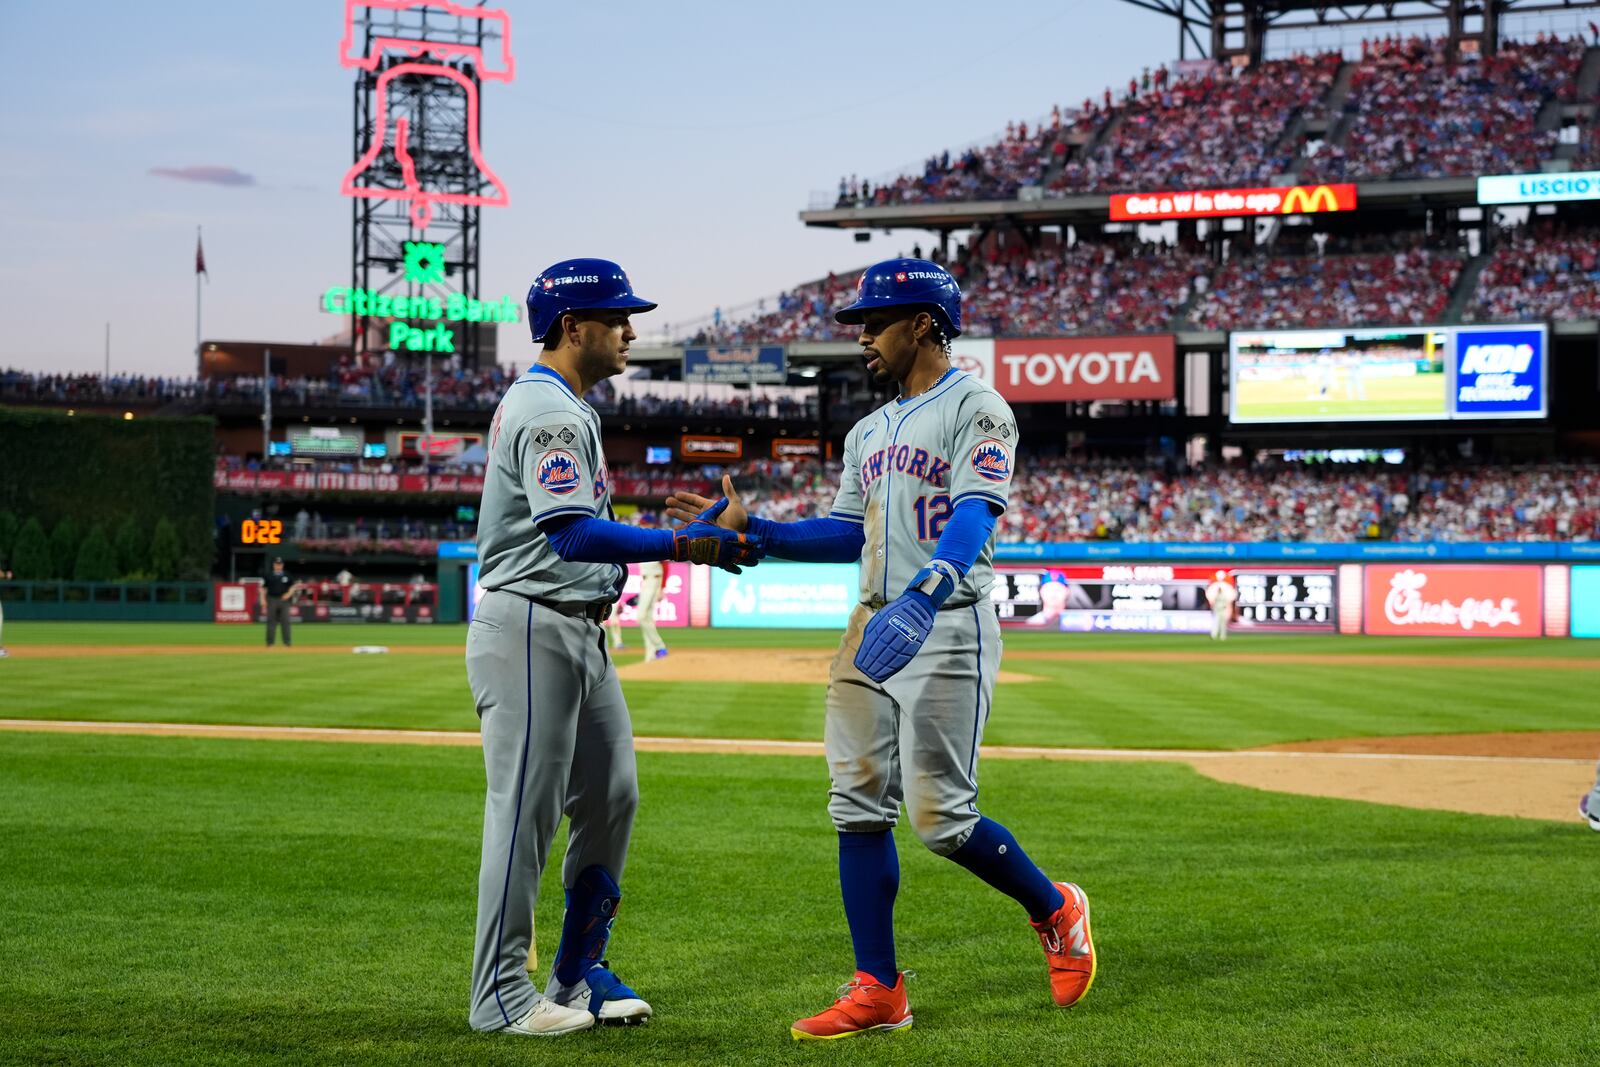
(1424, 600)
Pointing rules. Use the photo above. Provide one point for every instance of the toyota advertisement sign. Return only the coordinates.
(1032, 369)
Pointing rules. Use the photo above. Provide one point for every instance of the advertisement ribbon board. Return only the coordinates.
(1223, 203)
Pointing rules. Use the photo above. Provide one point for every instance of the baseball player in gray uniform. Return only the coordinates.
(556, 734)
(925, 478)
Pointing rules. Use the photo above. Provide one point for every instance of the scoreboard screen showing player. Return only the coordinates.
(1160, 598)
(1388, 374)
(1339, 375)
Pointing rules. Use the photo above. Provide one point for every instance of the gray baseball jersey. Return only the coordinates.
(556, 733)
(906, 467)
(545, 459)
(914, 739)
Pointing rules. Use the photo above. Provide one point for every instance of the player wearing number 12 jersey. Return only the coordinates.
(925, 478)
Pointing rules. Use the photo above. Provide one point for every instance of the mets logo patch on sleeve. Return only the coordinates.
(559, 473)
(992, 461)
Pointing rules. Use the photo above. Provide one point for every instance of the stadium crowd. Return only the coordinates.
(1217, 129)
(1542, 271)
(1414, 112)
(1055, 499)
(1115, 500)
(1410, 112)
(1091, 286)
(1408, 285)
(1118, 284)
(1544, 503)
(401, 388)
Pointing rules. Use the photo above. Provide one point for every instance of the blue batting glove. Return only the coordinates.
(896, 633)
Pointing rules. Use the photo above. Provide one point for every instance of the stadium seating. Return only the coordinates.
(1071, 500)
(1546, 503)
(1409, 113)
(1408, 286)
(1211, 130)
(1219, 126)
(1412, 113)
(1090, 287)
(1539, 273)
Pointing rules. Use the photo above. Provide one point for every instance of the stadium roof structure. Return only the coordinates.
(1236, 29)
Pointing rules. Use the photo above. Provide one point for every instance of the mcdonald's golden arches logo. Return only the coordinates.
(1310, 199)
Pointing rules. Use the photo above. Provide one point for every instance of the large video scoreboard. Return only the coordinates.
(1159, 598)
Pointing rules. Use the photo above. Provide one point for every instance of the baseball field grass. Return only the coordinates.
(1418, 396)
(185, 901)
(1240, 696)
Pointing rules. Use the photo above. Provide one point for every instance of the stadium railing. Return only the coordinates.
(107, 601)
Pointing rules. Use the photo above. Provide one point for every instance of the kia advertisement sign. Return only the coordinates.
(1422, 600)
(1084, 368)
(1500, 372)
(1222, 203)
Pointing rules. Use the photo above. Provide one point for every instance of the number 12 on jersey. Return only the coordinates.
(932, 513)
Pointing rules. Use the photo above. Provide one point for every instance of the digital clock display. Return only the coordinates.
(261, 532)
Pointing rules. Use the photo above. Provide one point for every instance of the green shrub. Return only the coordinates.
(33, 553)
(64, 541)
(97, 560)
(9, 527)
(164, 560)
(132, 546)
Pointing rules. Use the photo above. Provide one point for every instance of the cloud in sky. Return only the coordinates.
(210, 174)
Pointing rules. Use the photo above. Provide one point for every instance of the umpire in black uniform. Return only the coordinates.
(278, 591)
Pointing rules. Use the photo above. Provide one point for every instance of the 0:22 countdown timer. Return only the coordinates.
(261, 532)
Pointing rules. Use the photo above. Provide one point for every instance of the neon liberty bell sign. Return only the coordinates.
(393, 132)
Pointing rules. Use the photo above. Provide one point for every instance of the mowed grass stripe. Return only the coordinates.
(177, 902)
(1115, 703)
(23, 634)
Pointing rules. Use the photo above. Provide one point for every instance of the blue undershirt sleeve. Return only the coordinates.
(966, 532)
(586, 539)
(821, 540)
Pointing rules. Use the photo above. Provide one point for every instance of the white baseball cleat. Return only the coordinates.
(549, 1019)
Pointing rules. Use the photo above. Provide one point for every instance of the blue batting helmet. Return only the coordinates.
(579, 285)
(903, 282)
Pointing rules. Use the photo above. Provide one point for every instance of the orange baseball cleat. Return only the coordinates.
(1068, 947)
(864, 1005)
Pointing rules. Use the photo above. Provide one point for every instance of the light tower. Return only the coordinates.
(419, 178)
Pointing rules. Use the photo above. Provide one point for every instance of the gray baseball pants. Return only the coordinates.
(556, 740)
(915, 737)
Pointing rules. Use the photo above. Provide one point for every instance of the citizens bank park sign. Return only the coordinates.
(1140, 367)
